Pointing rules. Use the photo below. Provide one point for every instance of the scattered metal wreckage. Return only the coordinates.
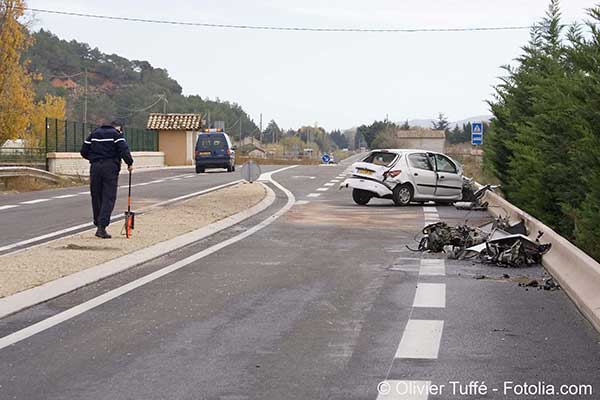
(498, 242)
(472, 196)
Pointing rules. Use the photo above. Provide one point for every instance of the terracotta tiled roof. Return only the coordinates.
(174, 122)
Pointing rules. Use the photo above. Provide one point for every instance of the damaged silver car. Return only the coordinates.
(404, 176)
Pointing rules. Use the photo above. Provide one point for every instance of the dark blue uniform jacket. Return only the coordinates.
(106, 143)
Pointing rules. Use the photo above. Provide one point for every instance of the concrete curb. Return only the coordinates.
(28, 298)
(577, 273)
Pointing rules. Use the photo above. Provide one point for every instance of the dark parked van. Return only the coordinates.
(214, 150)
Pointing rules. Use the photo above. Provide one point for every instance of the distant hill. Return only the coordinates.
(117, 87)
(427, 123)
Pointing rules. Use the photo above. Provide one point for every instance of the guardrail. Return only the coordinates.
(11, 172)
(576, 272)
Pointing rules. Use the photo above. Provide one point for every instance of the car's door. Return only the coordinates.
(422, 174)
(449, 181)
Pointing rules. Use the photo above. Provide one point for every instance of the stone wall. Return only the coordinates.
(74, 164)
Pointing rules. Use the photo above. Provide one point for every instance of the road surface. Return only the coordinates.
(325, 302)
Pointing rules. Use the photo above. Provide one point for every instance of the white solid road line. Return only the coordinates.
(421, 339)
(106, 297)
(80, 193)
(430, 295)
(322, 189)
(403, 390)
(65, 196)
(8, 206)
(432, 267)
(313, 195)
(34, 201)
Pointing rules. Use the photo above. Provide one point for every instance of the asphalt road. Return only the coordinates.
(324, 303)
(28, 215)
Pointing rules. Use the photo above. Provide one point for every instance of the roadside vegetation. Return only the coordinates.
(544, 141)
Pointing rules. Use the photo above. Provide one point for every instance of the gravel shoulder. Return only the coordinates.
(66, 256)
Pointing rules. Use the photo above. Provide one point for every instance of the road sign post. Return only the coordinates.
(250, 171)
(477, 133)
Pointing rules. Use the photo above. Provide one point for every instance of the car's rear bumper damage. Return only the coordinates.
(370, 185)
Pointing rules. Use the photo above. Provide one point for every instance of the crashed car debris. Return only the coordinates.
(472, 198)
(498, 242)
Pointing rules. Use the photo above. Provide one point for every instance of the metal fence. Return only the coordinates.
(68, 136)
(22, 156)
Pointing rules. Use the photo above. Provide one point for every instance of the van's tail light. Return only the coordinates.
(392, 173)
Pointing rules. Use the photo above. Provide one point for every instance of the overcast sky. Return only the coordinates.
(337, 80)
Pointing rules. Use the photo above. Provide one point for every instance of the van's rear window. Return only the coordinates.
(211, 142)
(380, 158)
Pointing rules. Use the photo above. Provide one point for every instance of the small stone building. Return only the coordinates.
(425, 139)
(177, 135)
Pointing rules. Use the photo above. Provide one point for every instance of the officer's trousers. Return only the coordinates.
(104, 182)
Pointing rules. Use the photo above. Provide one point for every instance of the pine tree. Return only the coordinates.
(441, 124)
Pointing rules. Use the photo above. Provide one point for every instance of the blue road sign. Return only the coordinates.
(326, 158)
(477, 133)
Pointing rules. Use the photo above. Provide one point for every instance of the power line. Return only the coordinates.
(277, 28)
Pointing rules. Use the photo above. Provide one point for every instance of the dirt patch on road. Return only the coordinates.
(353, 217)
(63, 257)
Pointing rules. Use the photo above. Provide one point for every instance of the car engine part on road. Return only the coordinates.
(439, 235)
(514, 251)
(498, 242)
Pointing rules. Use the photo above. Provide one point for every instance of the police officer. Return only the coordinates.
(104, 148)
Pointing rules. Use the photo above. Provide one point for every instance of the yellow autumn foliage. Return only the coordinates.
(50, 107)
(16, 92)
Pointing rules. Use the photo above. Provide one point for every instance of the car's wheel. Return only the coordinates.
(361, 197)
(199, 170)
(233, 168)
(403, 194)
(229, 168)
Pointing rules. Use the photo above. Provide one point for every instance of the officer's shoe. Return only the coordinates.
(102, 234)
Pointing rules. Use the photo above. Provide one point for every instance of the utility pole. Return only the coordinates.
(165, 101)
(240, 131)
(260, 134)
(85, 98)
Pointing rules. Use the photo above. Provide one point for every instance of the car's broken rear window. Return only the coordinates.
(380, 158)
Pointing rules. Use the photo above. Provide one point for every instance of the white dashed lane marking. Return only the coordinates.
(432, 267)
(8, 207)
(34, 201)
(334, 180)
(322, 189)
(329, 184)
(313, 195)
(65, 196)
(430, 295)
(302, 202)
(421, 339)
